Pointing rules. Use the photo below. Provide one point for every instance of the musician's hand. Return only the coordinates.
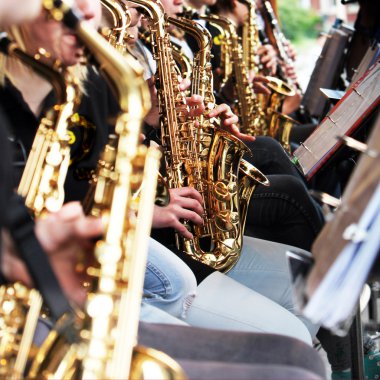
(153, 117)
(258, 83)
(196, 105)
(185, 203)
(229, 121)
(184, 84)
(66, 236)
(268, 57)
(290, 72)
(290, 49)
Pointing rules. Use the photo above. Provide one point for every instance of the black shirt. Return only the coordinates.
(5, 166)
(96, 114)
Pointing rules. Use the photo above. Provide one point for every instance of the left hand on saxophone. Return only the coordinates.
(229, 121)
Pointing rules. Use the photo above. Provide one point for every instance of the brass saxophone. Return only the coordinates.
(249, 176)
(251, 115)
(100, 344)
(117, 34)
(275, 124)
(41, 186)
(45, 171)
(203, 157)
(183, 62)
(20, 308)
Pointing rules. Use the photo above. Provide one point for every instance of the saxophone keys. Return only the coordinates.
(226, 220)
(224, 191)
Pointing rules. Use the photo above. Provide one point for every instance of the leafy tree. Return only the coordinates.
(297, 22)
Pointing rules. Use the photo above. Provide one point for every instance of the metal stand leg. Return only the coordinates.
(373, 314)
(357, 354)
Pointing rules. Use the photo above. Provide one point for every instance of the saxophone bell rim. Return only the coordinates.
(280, 86)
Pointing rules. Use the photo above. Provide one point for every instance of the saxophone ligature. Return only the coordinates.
(103, 338)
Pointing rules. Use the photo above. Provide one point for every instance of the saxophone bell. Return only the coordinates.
(280, 127)
(280, 87)
(249, 178)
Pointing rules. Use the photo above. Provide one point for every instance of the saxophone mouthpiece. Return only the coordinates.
(63, 11)
(5, 43)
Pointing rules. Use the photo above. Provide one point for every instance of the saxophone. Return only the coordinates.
(248, 107)
(249, 176)
(117, 35)
(203, 157)
(275, 124)
(100, 343)
(20, 308)
(45, 171)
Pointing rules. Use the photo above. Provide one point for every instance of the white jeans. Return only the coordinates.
(254, 296)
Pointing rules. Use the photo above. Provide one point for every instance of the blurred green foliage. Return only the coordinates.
(298, 23)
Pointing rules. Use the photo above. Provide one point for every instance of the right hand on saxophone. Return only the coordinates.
(268, 58)
(185, 203)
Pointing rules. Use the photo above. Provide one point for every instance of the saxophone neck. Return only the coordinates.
(202, 60)
(117, 68)
(251, 39)
(120, 19)
(155, 12)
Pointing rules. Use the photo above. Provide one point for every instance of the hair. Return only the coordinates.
(222, 5)
(16, 34)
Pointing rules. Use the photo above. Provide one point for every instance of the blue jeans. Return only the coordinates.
(169, 283)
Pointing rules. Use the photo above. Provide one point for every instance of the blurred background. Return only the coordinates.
(306, 22)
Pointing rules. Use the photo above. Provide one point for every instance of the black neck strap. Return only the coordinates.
(21, 228)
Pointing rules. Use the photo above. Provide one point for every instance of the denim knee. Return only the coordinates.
(169, 283)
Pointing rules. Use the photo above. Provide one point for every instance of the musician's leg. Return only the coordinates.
(338, 350)
(169, 283)
(284, 212)
(263, 267)
(301, 132)
(270, 157)
(223, 303)
(151, 314)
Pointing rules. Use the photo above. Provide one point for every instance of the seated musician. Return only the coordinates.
(61, 235)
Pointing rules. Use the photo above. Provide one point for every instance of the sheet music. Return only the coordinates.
(344, 118)
(327, 69)
(336, 298)
(370, 57)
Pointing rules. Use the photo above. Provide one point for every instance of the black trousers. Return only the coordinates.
(283, 212)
